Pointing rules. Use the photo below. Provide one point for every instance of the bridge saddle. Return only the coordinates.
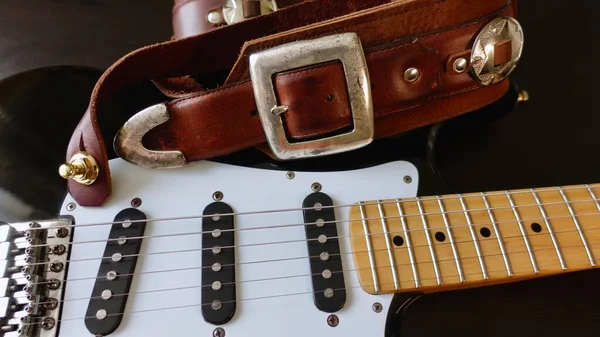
(34, 258)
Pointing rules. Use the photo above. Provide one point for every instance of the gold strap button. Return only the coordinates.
(82, 168)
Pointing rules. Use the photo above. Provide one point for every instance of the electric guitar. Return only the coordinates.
(218, 249)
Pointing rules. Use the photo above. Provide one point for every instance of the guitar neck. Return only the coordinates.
(458, 241)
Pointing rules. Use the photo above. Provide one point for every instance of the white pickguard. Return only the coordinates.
(264, 307)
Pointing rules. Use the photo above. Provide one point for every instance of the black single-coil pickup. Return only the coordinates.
(109, 296)
(218, 264)
(329, 291)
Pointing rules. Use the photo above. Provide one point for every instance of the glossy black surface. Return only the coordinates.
(551, 140)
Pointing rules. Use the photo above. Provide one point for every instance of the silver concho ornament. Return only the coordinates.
(233, 10)
(483, 64)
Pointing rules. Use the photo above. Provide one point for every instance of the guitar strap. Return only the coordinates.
(300, 79)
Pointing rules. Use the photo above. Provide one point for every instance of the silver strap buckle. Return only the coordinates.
(345, 47)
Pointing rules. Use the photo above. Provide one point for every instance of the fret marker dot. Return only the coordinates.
(485, 232)
(440, 237)
(318, 206)
(320, 222)
(322, 238)
(536, 227)
(398, 240)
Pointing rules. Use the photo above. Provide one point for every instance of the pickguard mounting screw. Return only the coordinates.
(219, 332)
(218, 196)
(333, 320)
(316, 187)
(377, 307)
(71, 206)
(407, 179)
(290, 175)
(136, 202)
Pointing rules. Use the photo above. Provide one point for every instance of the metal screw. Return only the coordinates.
(460, 65)
(216, 250)
(71, 206)
(216, 285)
(324, 256)
(216, 217)
(216, 266)
(111, 275)
(101, 314)
(407, 179)
(53, 284)
(320, 222)
(219, 332)
(56, 266)
(136, 202)
(411, 74)
(328, 293)
(290, 175)
(216, 305)
(217, 196)
(126, 223)
(59, 249)
(333, 321)
(322, 238)
(48, 323)
(326, 274)
(318, 206)
(216, 233)
(62, 232)
(121, 240)
(51, 303)
(316, 187)
(377, 307)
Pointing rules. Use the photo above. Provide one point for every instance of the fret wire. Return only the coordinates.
(593, 196)
(369, 247)
(411, 254)
(461, 276)
(389, 245)
(497, 233)
(523, 233)
(474, 237)
(427, 233)
(561, 260)
(578, 226)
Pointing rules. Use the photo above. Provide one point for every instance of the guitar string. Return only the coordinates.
(468, 211)
(307, 240)
(465, 196)
(356, 270)
(271, 297)
(307, 257)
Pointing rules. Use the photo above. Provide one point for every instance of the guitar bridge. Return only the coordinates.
(34, 258)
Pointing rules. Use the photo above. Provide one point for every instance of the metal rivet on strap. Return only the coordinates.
(214, 17)
(411, 74)
(460, 65)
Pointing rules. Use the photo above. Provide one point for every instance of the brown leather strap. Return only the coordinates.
(395, 35)
(189, 17)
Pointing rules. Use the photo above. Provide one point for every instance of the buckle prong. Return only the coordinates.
(345, 47)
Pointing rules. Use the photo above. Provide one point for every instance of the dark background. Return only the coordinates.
(551, 140)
